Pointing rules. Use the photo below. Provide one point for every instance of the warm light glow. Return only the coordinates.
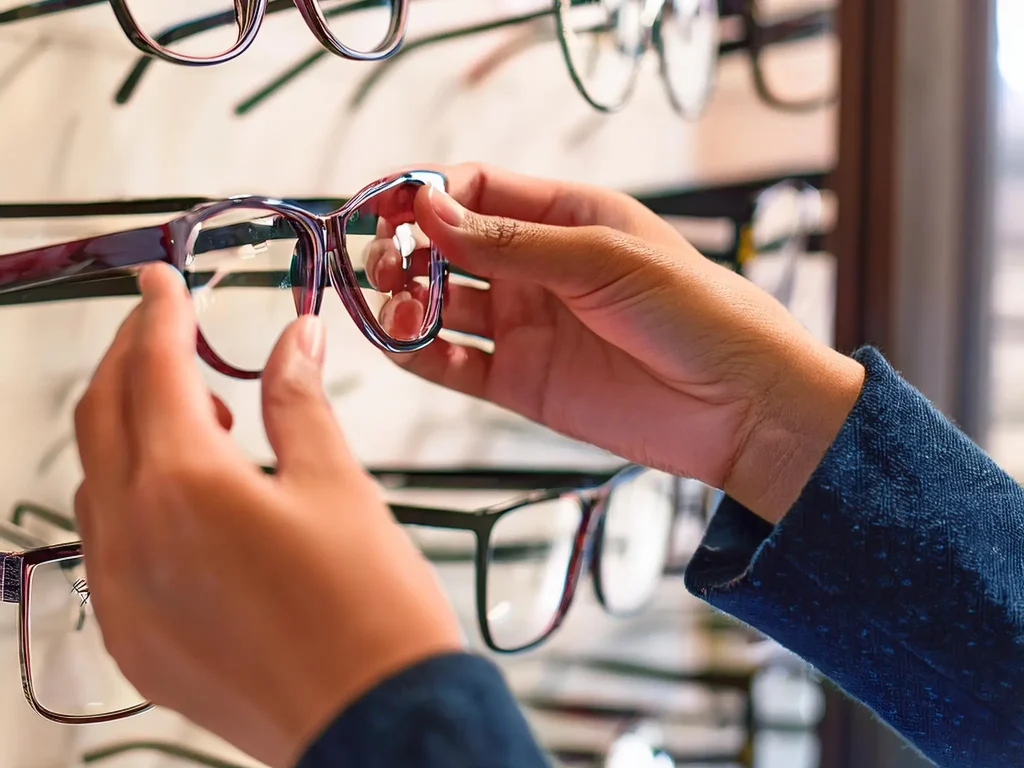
(1010, 30)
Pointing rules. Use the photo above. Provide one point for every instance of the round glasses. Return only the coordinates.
(604, 42)
(388, 275)
(170, 30)
(531, 553)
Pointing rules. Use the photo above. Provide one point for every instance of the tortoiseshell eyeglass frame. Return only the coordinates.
(322, 243)
(15, 576)
(247, 16)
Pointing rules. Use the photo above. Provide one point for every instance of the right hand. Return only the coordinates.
(610, 328)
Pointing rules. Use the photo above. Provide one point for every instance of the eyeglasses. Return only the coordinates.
(252, 241)
(774, 222)
(793, 51)
(67, 675)
(531, 552)
(737, 203)
(376, 35)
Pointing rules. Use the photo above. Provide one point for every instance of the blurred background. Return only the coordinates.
(901, 122)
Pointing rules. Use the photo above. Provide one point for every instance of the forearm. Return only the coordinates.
(447, 712)
(899, 573)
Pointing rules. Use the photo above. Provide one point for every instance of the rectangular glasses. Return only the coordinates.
(390, 278)
(67, 675)
(531, 552)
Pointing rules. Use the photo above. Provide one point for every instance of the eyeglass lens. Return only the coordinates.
(688, 35)
(529, 555)
(603, 41)
(637, 524)
(256, 263)
(154, 17)
(394, 263)
(70, 672)
(800, 65)
(364, 31)
(247, 263)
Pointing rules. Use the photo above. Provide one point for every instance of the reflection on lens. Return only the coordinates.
(362, 25)
(778, 219)
(70, 670)
(604, 41)
(529, 557)
(154, 17)
(392, 261)
(785, 216)
(635, 538)
(799, 58)
(247, 274)
(688, 36)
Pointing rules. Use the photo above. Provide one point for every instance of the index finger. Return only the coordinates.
(494, 191)
(169, 402)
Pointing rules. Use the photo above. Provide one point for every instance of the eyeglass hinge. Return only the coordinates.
(10, 578)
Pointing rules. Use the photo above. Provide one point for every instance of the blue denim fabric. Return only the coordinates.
(899, 574)
(451, 711)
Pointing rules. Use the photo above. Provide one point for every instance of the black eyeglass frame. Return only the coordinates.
(756, 38)
(591, 490)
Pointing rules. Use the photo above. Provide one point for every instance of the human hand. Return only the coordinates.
(610, 328)
(256, 606)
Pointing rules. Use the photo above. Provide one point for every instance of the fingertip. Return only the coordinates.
(158, 279)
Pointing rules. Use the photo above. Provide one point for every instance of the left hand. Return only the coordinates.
(256, 606)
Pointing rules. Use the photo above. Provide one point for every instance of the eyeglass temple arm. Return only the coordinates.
(496, 479)
(10, 576)
(172, 750)
(188, 29)
(45, 8)
(802, 27)
(90, 256)
(54, 518)
(367, 84)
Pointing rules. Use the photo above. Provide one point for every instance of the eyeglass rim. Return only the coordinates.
(25, 562)
(645, 45)
(151, 47)
(690, 111)
(592, 501)
(317, 230)
(256, 11)
(596, 570)
(758, 35)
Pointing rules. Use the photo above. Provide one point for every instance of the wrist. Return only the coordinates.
(791, 427)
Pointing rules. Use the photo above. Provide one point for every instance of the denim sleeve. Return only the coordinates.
(899, 574)
(451, 711)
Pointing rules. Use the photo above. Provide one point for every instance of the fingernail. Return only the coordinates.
(447, 210)
(311, 339)
(146, 273)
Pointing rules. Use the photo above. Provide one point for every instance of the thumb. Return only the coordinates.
(297, 416)
(568, 260)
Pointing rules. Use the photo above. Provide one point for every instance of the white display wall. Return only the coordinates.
(63, 138)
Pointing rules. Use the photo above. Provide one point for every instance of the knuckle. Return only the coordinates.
(501, 233)
(83, 410)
